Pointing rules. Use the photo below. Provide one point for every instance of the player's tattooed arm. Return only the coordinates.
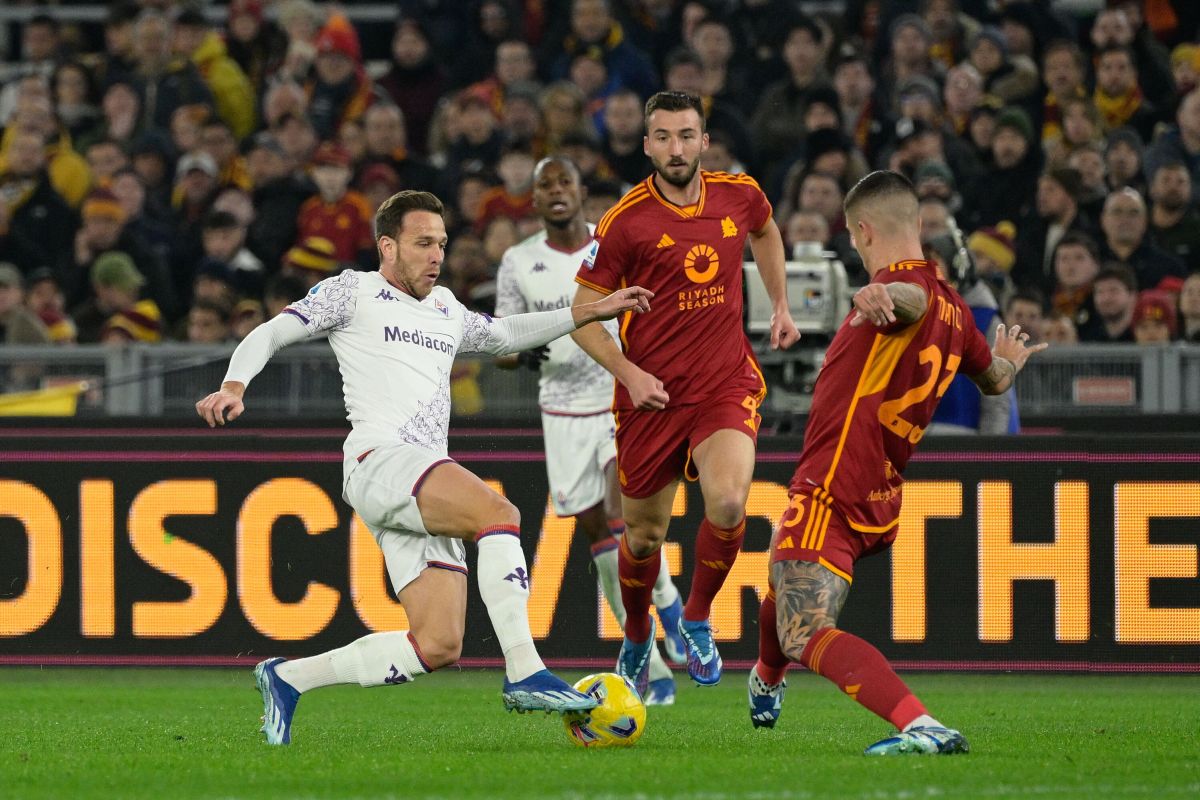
(1009, 355)
(884, 303)
(809, 597)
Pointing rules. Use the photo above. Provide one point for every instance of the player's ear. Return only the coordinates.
(703, 141)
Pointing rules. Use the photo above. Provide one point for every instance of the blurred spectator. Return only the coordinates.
(1076, 262)
(283, 289)
(1114, 294)
(284, 98)
(478, 142)
(1059, 330)
(218, 140)
(143, 222)
(139, 324)
(1088, 161)
(467, 272)
(116, 286)
(351, 136)
(121, 116)
(1189, 308)
(339, 88)
(208, 322)
(1064, 70)
(214, 282)
(233, 94)
(934, 179)
(247, 315)
(1121, 25)
(75, 99)
(1118, 97)
(415, 81)
(1123, 160)
(867, 124)
(337, 213)
(500, 234)
(724, 80)
(522, 120)
(301, 21)
(36, 225)
(601, 195)
(105, 158)
(312, 260)
(779, 115)
(1012, 182)
(1058, 213)
(514, 197)
(1174, 219)
(104, 229)
(1181, 142)
(721, 155)
(1124, 222)
(254, 42)
(583, 148)
(491, 22)
(1012, 80)
(563, 111)
(118, 61)
(962, 93)
(935, 217)
(514, 65)
(623, 126)
(383, 126)
(911, 45)
(804, 228)
(18, 325)
(949, 30)
(167, 82)
(377, 183)
(297, 138)
(994, 252)
(224, 240)
(593, 29)
(41, 43)
(68, 171)
(1153, 319)
(1025, 308)
(278, 194)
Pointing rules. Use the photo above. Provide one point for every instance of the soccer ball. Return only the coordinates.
(619, 719)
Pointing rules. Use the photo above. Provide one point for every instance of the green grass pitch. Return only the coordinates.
(68, 733)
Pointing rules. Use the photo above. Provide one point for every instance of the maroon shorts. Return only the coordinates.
(813, 530)
(655, 447)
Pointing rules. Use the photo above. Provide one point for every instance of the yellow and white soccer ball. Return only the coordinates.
(619, 719)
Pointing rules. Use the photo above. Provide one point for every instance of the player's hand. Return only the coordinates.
(873, 304)
(646, 391)
(533, 359)
(220, 406)
(631, 298)
(783, 330)
(1013, 344)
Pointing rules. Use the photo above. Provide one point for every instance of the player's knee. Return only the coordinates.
(440, 648)
(727, 510)
(498, 511)
(644, 539)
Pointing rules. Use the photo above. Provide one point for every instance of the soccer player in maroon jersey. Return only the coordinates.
(884, 372)
(688, 384)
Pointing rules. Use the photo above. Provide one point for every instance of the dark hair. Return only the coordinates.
(674, 101)
(1116, 271)
(222, 310)
(89, 80)
(598, 187)
(1029, 294)
(1079, 239)
(1116, 48)
(881, 183)
(1070, 47)
(220, 221)
(682, 56)
(283, 286)
(390, 216)
(803, 22)
(191, 18)
(44, 21)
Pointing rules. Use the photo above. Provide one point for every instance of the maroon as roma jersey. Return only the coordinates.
(692, 339)
(876, 394)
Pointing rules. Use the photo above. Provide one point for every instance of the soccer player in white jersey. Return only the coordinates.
(575, 395)
(395, 335)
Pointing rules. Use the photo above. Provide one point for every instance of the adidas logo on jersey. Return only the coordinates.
(665, 241)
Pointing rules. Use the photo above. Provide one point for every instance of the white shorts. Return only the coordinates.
(383, 489)
(578, 449)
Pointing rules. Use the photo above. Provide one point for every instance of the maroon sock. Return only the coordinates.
(637, 585)
(772, 663)
(862, 672)
(716, 550)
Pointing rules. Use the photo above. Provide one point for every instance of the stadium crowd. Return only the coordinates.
(168, 175)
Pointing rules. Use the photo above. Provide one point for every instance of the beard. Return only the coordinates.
(679, 181)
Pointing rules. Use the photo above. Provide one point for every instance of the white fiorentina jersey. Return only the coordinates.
(535, 276)
(395, 355)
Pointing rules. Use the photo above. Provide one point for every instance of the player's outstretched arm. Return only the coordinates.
(248, 359)
(1009, 355)
(884, 303)
(645, 390)
(767, 246)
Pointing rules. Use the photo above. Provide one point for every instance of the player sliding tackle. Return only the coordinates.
(395, 336)
(688, 385)
(884, 372)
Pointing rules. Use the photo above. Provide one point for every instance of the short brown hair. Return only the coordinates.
(390, 216)
(878, 185)
(1116, 271)
(674, 101)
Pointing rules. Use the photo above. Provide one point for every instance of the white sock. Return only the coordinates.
(658, 667)
(378, 659)
(924, 721)
(610, 581)
(665, 593)
(504, 586)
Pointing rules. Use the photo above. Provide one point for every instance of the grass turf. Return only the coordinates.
(193, 733)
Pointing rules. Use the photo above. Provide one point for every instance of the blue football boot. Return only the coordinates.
(279, 702)
(929, 741)
(703, 660)
(545, 691)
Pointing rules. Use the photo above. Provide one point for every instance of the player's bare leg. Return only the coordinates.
(639, 561)
(809, 599)
(725, 464)
(454, 502)
(436, 604)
